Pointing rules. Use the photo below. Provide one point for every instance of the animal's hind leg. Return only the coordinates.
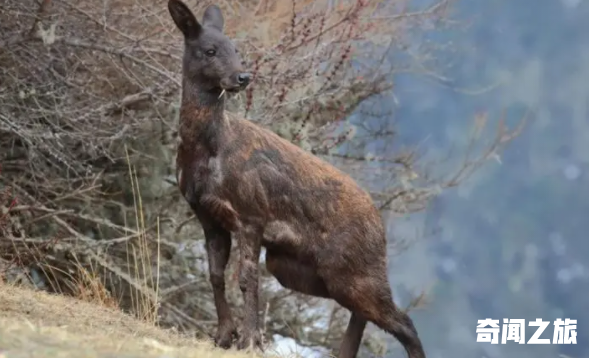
(399, 324)
(301, 277)
(353, 336)
(371, 298)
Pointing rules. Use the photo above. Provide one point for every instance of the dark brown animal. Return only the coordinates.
(322, 233)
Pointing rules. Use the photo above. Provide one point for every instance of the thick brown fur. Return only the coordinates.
(322, 233)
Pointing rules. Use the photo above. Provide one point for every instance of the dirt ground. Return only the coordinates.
(37, 324)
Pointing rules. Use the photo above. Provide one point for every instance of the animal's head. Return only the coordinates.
(211, 61)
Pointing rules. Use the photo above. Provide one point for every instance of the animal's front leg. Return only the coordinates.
(249, 247)
(218, 245)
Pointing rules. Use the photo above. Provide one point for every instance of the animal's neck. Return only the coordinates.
(201, 115)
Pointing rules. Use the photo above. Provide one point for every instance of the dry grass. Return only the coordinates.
(84, 276)
(37, 324)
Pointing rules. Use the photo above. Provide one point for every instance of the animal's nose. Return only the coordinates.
(244, 78)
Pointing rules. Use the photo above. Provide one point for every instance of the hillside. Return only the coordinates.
(37, 324)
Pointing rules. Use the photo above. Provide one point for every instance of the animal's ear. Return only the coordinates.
(213, 17)
(184, 18)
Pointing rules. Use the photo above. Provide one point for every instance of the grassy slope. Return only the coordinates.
(36, 324)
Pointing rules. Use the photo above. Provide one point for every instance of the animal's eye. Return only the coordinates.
(210, 53)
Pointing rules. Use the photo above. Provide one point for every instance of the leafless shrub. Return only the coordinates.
(89, 105)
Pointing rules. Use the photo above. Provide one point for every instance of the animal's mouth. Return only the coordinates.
(232, 85)
(233, 90)
(230, 90)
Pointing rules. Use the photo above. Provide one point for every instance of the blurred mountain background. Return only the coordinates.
(511, 242)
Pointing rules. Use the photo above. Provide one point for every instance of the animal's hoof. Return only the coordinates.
(250, 340)
(225, 337)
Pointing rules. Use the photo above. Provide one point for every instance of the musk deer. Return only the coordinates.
(322, 233)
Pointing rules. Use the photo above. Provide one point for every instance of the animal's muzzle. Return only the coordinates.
(244, 78)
